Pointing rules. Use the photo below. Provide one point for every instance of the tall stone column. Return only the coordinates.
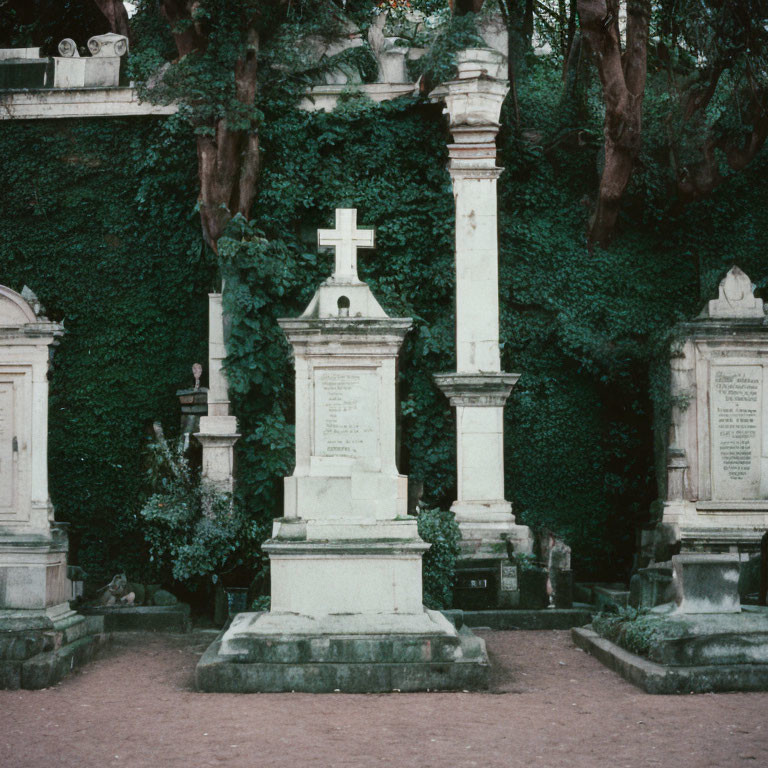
(479, 388)
(218, 430)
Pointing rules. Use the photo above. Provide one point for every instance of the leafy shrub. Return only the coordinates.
(440, 529)
(195, 532)
(633, 629)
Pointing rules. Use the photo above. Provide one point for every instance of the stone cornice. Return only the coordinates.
(477, 389)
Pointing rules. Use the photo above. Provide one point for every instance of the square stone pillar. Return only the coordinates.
(218, 430)
(479, 388)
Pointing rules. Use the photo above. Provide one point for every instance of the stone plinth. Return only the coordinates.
(346, 609)
(707, 583)
(716, 495)
(478, 389)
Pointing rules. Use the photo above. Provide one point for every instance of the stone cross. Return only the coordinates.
(346, 239)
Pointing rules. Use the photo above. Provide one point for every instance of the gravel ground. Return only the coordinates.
(551, 705)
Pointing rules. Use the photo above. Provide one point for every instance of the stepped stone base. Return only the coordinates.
(269, 653)
(692, 653)
(37, 650)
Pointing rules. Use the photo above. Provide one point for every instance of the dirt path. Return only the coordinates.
(551, 705)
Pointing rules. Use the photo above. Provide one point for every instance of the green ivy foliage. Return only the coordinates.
(97, 218)
(439, 529)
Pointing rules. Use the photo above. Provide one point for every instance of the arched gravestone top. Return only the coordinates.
(736, 298)
(15, 310)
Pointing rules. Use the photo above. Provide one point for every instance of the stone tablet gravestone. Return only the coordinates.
(40, 636)
(346, 610)
(717, 451)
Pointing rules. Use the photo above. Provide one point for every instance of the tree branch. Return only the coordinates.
(623, 81)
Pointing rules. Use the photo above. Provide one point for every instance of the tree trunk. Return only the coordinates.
(228, 160)
(116, 16)
(623, 80)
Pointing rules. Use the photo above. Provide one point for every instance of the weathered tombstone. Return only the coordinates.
(717, 454)
(346, 611)
(40, 636)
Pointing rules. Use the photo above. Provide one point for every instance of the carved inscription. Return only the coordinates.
(736, 406)
(7, 467)
(346, 413)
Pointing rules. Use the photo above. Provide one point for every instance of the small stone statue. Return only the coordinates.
(197, 372)
(116, 592)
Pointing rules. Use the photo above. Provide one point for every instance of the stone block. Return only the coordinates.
(651, 586)
(25, 73)
(47, 669)
(562, 585)
(660, 679)
(707, 583)
(549, 619)
(609, 599)
(144, 618)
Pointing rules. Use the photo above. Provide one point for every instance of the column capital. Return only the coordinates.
(477, 389)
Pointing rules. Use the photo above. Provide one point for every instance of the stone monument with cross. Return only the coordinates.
(346, 592)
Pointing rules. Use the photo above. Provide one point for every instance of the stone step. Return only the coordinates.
(215, 673)
(43, 670)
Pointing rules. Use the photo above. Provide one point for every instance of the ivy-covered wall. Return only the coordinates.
(98, 217)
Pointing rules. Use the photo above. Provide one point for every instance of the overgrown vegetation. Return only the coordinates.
(635, 630)
(99, 218)
(197, 535)
(439, 529)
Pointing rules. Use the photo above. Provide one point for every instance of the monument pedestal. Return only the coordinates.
(346, 585)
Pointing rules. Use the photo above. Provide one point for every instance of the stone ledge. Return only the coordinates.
(520, 619)
(659, 679)
(142, 618)
(77, 103)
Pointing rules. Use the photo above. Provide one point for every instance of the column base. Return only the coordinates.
(485, 575)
